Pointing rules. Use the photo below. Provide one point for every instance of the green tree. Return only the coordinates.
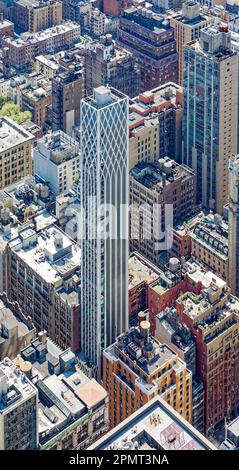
(3, 100)
(12, 111)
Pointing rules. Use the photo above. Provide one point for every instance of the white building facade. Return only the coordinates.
(104, 197)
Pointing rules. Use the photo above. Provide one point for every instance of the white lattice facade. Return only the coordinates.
(104, 299)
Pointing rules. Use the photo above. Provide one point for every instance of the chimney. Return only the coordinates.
(42, 336)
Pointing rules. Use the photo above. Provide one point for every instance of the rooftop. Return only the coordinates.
(212, 231)
(149, 103)
(146, 351)
(197, 274)
(33, 38)
(36, 3)
(155, 426)
(104, 96)
(141, 270)
(66, 393)
(147, 19)
(14, 386)
(58, 147)
(211, 308)
(91, 393)
(5, 23)
(51, 63)
(50, 253)
(12, 134)
(156, 175)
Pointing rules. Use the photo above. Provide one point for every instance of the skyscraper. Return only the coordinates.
(187, 25)
(210, 112)
(104, 291)
(233, 226)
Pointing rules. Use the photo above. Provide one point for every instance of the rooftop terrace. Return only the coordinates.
(155, 426)
(141, 270)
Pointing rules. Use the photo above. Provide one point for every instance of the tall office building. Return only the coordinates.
(233, 225)
(104, 290)
(187, 26)
(18, 409)
(210, 112)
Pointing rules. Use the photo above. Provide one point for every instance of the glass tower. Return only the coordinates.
(104, 197)
(210, 112)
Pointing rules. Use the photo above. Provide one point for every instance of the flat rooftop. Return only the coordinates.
(196, 21)
(33, 38)
(35, 3)
(202, 309)
(18, 385)
(156, 175)
(154, 99)
(233, 427)
(12, 134)
(5, 23)
(132, 345)
(155, 426)
(141, 270)
(147, 19)
(50, 253)
(58, 146)
(104, 96)
(197, 273)
(51, 63)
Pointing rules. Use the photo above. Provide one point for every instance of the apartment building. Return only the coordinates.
(20, 52)
(151, 40)
(209, 244)
(155, 123)
(15, 152)
(18, 409)
(37, 101)
(106, 63)
(137, 367)
(161, 193)
(43, 277)
(57, 161)
(72, 409)
(179, 338)
(213, 318)
(6, 27)
(38, 15)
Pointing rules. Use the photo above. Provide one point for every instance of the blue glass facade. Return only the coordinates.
(201, 95)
